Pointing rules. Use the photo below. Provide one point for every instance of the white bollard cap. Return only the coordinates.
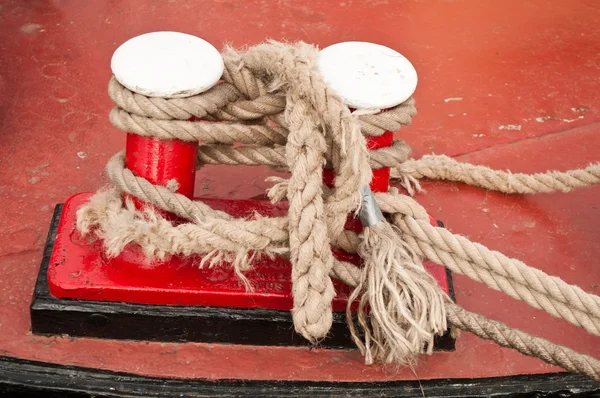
(167, 65)
(367, 75)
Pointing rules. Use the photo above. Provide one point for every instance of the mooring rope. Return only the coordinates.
(273, 101)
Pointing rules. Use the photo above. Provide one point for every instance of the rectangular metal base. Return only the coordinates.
(170, 323)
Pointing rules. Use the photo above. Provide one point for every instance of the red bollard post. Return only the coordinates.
(175, 297)
(371, 77)
(368, 77)
(161, 162)
(165, 65)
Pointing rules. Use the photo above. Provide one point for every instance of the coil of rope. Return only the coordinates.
(274, 103)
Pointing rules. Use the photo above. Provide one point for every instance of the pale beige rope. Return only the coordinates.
(502, 273)
(227, 101)
(497, 271)
(250, 88)
(199, 106)
(185, 238)
(205, 132)
(274, 229)
(523, 342)
(351, 275)
(405, 302)
(444, 168)
(500, 333)
(454, 251)
(260, 234)
(223, 102)
(274, 156)
(405, 298)
(119, 226)
(310, 252)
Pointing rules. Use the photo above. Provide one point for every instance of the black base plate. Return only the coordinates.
(113, 320)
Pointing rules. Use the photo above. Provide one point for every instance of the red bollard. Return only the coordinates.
(368, 77)
(130, 277)
(165, 65)
(93, 295)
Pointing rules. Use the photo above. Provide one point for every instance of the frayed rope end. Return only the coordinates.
(401, 309)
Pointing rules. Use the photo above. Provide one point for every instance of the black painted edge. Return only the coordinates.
(19, 377)
(451, 291)
(113, 320)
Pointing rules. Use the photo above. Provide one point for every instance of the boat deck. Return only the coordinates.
(511, 84)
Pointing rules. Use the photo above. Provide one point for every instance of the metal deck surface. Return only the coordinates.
(510, 84)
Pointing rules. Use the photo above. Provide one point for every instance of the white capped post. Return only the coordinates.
(368, 76)
(165, 65)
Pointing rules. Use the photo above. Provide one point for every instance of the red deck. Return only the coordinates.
(511, 84)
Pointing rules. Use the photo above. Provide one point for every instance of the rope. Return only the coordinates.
(226, 102)
(444, 168)
(503, 335)
(527, 344)
(501, 273)
(497, 271)
(274, 156)
(274, 103)
(310, 252)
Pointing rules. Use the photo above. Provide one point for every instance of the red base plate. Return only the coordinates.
(80, 270)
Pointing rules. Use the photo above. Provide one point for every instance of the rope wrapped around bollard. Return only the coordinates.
(274, 102)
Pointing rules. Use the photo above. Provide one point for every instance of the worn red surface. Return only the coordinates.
(510, 84)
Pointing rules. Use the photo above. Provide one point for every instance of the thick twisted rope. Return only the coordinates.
(497, 271)
(226, 102)
(274, 156)
(525, 343)
(501, 273)
(275, 229)
(500, 333)
(444, 168)
(398, 205)
(272, 101)
(310, 251)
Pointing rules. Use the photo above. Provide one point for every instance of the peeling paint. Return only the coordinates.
(580, 109)
(572, 120)
(453, 99)
(30, 28)
(516, 127)
(543, 119)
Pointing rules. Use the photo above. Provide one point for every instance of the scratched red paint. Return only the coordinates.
(510, 63)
